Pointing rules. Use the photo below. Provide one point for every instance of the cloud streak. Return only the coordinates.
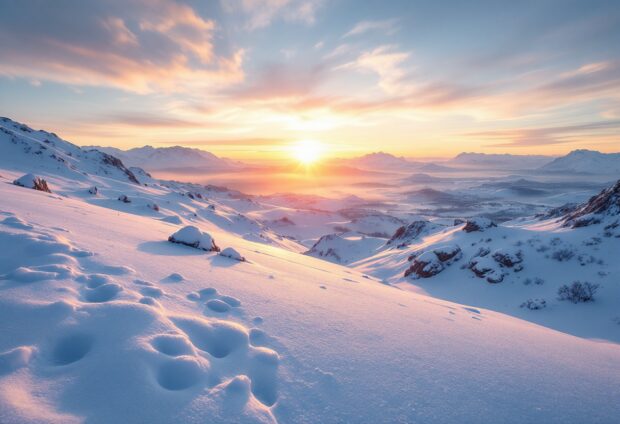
(136, 45)
(523, 137)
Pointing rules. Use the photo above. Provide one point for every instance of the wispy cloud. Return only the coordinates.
(144, 120)
(261, 13)
(387, 26)
(388, 63)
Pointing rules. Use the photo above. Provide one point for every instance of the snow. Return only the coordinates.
(231, 253)
(102, 320)
(180, 360)
(345, 248)
(585, 161)
(193, 237)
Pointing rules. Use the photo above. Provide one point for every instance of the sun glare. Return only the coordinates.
(307, 152)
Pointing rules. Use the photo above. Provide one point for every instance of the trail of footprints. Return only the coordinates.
(203, 353)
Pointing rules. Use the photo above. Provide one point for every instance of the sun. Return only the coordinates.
(307, 152)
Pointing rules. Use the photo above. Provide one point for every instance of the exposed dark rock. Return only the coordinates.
(432, 262)
(508, 259)
(117, 163)
(606, 203)
(34, 182)
(478, 224)
(406, 235)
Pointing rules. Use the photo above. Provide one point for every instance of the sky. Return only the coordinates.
(246, 78)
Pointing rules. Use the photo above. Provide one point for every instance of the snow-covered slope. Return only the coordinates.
(176, 157)
(585, 161)
(110, 314)
(102, 320)
(507, 267)
(345, 248)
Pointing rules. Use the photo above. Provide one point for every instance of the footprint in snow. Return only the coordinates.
(215, 302)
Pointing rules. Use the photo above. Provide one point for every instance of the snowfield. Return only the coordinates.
(103, 320)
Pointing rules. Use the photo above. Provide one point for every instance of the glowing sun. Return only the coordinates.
(307, 151)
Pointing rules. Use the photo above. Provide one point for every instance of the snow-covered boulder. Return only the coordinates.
(486, 268)
(231, 253)
(509, 257)
(32, 181)
(193, 237)
(448, 253)
(123, 198)
(478, 224)
(93, 190)
(432, 262)
(425, 265)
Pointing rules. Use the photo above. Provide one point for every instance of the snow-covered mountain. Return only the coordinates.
(585, 161)
(500, 161)
(176, 157)
(379, 161)
(116, 306)
(21, 147)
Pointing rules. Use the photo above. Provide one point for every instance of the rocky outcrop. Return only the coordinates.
(432, 262)
(478, 224)
(406, 235)
(558, 212)
(117, 163)
(496, 266)
(604, 204)
(487, 268)
(508, 258)
(318, 249)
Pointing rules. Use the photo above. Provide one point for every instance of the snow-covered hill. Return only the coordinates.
(109, 314)
(166, 158)
(585, 161)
